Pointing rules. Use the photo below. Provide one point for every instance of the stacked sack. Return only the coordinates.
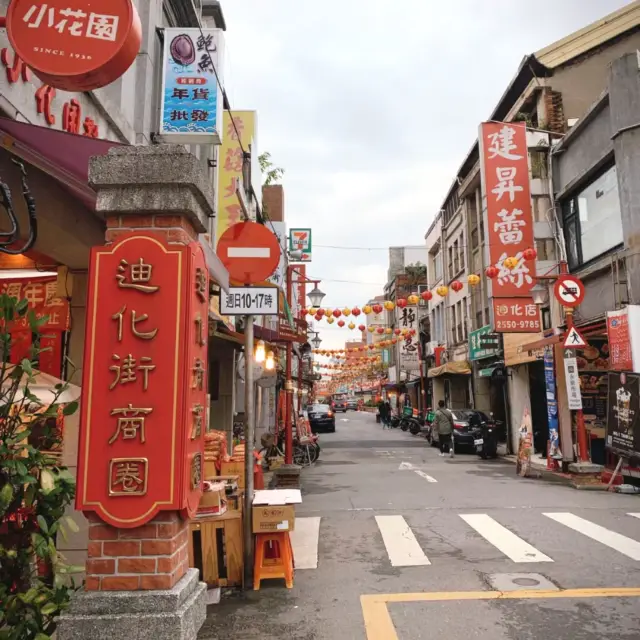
(215, 447)
(238, 453)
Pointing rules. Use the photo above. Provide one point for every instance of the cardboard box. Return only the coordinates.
(273, 518)
(233, 469)
(210, 469)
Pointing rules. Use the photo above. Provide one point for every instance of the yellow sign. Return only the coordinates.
(513, 352)
(230, 166)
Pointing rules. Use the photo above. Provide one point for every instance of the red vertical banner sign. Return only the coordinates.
(50, 358)
(620, 354)
(301, 285)
(144, 381)
(505, 174)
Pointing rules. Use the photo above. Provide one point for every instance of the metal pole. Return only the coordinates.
(288, 385)
(249, 434)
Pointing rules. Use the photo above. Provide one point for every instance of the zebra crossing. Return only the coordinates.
(403, 549)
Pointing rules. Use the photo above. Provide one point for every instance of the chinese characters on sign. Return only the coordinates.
(142, 419)
(407, 318)
(279, 275)
(620, 355)
(516, 315)
(71, 116)
(191, 109)
(505, 172)
(79, 46)
(257, 301)
(239, 130)
(573, 383)
(477, 348)
(623, 413)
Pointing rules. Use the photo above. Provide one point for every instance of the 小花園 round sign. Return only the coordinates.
(77, 45)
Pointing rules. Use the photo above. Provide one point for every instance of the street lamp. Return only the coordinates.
(260, 354)
(270, 364)
(316, 342)
(316, 296)
(539, 293)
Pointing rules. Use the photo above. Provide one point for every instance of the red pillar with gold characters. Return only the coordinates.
(144, 384)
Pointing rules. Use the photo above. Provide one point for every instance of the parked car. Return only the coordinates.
(339, 405)
(465, 423)
(352, 404)
(321, 418)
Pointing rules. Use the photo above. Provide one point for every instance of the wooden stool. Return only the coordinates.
(274, 558)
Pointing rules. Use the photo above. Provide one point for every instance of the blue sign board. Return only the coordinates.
(191, 109)
(552, 401)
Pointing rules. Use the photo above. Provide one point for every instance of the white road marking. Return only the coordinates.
(402, 547)
(304, 540)
(424, 475)
(616, 541)
(635, 515)
(405, 465)
(506, 541)
(248, 252)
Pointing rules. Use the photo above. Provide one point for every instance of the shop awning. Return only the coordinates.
(64, 156)
(450, 368)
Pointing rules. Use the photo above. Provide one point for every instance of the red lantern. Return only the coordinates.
(337, 313)
(341, 323)
(529, 254)
(394, 340)
(377, 308)
(372, 347)
(356, 312)
(426, 295)
(361, 327)
(380, 330)
(491, 272)
(401, 302)
(320, 311)
(397, 332)
(456, 285)
(319, 316)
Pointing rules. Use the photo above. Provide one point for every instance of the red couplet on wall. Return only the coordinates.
(144, 381)
(78, 46)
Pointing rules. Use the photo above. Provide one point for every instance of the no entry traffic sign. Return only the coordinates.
(249, 251)
(569, 291)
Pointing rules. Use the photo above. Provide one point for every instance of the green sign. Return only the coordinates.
(476, 350)
(300, 240)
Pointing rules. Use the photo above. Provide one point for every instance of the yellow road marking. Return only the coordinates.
(379, 626)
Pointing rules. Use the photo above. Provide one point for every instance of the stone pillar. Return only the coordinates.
(138, 582)
(624, 97)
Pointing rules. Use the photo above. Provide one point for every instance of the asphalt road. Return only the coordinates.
(427, 549)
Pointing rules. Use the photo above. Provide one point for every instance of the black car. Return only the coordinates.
(465, 422)
(321, 418)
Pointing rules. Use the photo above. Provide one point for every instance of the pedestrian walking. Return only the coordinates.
(443, 422)
(387, 413)
(381, 412)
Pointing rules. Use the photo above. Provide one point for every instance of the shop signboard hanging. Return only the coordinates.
(620, 355)
(407, 318)
(516, 315)
(572, 379)
(80, 48)
(623, 415)
(552, 402)
(300, 240)
(477, 350)
(191, 100)
(255, 301)
(504, 159)
(279, 276)
(144, 381)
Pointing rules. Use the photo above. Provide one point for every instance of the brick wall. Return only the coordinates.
(174, 228)
(154, 556)
(273, 202)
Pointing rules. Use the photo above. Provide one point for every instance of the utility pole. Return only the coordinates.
(288, 384)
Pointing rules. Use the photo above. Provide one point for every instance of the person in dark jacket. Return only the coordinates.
(387, 412)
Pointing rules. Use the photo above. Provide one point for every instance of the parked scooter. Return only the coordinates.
(394, 422)
(485, 438)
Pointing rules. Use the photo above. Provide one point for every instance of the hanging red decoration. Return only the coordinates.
(341, 323)
(318, 317)
(337, 313)
(356, 312)
(397, 332)
(401, 302)
(380, 330)
(530, 254)
(303, 312)
(456, 285)
(491, 272)
(320, 311)
(377, 308)
(361, 327)
(394, 340)
(426, 295)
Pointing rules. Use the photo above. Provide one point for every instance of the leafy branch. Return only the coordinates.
(271, 173)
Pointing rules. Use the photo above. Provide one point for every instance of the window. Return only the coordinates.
(454, 338)
(546, 318)
(451, 262)
(456, 257)
(592, 220)
(437, 263)
(460, 321)
(462, 251)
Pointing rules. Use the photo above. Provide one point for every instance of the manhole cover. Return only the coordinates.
(520, 582)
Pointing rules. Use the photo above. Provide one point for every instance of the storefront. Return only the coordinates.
(451, 382)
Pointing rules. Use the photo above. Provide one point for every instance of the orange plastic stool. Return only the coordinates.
(274, 559)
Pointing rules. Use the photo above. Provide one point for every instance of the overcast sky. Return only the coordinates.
(370, 106)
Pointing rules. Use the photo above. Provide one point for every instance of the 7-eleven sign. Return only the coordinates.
(300, 240)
